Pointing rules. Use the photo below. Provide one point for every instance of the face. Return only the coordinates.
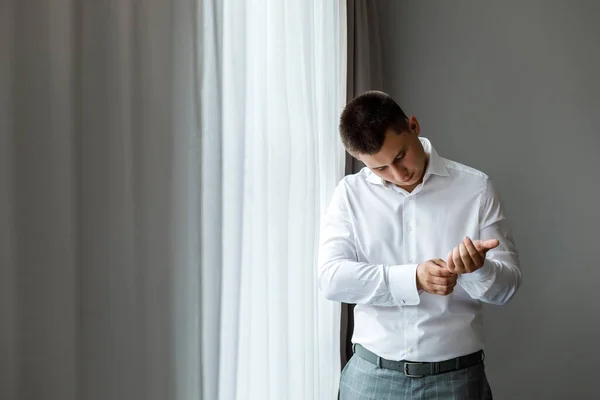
(402, 159)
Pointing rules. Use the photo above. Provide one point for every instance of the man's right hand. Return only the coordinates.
(434, 277)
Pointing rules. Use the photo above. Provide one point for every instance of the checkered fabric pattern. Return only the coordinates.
(362, 380)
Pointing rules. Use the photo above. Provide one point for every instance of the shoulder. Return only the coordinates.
(466, 174)
(477, 181)
(361, 183)
(358, 186)
(462, 170)
(358, 179)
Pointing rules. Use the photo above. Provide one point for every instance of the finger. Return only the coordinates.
(459, 266)
(440, 271)
(476, 256)
(443, 291)
(434, 286)
(465, 257)
(444, 281)
(450, 263)
(439, 262)
(491, 243)
(436, 267)
(452, 279)
(445, 286)
(486, 245)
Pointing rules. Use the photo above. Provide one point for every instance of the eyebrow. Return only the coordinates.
(400, 152)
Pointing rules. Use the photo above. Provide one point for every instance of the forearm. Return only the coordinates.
(499, 278)
(343, 278)
(495, 283)
(354, 282)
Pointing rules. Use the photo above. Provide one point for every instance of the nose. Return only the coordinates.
(400, 173)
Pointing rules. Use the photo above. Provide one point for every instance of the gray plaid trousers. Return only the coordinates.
(362, 380)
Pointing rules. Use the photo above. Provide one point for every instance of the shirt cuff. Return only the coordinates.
(482, 274)
(403, 284)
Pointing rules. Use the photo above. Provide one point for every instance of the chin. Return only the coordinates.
(404, 184)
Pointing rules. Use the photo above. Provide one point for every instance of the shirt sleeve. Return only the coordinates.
(500, 277)
(342, 278)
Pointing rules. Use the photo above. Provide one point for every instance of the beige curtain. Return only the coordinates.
(364, 73)
(99, 200)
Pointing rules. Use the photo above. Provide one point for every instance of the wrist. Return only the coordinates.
(480, 274)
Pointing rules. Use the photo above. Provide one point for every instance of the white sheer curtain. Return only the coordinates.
(282, 78)
(163, 169)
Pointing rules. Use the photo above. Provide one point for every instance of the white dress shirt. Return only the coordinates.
(374, 235)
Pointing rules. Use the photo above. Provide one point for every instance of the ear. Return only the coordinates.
(354, 155)
(413, 125)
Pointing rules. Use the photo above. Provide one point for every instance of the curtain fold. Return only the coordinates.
(364, 73)
(216, 228)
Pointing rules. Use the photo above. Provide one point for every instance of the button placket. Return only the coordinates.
(410, 242)
(409, 218)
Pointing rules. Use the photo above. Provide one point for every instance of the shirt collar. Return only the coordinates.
(435, 167)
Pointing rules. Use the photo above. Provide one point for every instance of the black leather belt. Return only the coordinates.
(420, 369)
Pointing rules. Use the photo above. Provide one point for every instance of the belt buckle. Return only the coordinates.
(405, 369)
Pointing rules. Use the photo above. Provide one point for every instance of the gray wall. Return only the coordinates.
(512, 88)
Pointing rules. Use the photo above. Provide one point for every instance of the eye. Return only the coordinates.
(399, 158)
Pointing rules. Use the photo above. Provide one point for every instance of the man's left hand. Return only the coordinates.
(469, 256)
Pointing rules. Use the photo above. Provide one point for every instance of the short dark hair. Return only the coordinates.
(366, 119)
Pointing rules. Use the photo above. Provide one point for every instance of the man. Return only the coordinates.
(418, 243)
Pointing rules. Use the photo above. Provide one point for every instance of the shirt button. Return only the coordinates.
(410, 350)
(410, 228)
(412, 260)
